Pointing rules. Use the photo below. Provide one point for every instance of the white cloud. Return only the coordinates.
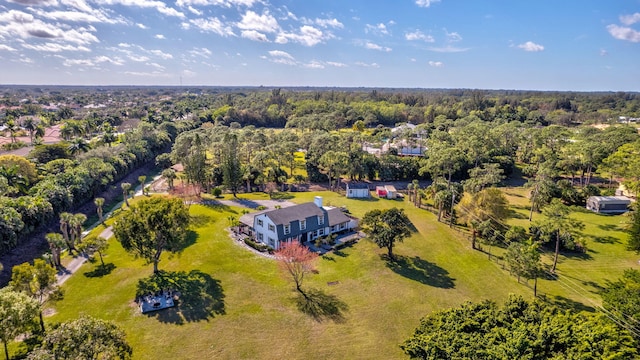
(281, 54)
(281, 57)
(35, 2)
(624, 33)
(159, 6)
(448, 49)
(453, 36)
(418, 35)
(159, 36)
(426, 3)
(77, 16)
(92, 62)
(531, 46)
(213, 25)
(4, 47)
(372, 46)
(25, 26)
(142, 26)
(223, 3)
(137, 58)
(378, 28)
(363, 64)
(156, 65)
(55, 47)
(436, 63)
(147, 74)
(630, 19)
(325, 23)
(203, 52)
(263, 23)
(314, 64)
(308, 36)
(195, 11)
(161, 54)
(603, 52)
(336, 64)
(254, 35)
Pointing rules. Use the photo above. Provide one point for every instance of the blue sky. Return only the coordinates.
(584, 45)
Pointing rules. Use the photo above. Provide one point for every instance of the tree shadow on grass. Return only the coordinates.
(200, 296)
(421, 271)
(201, 219)
(217, 206)
(100, 270)
(610, 227)
(321, 306)
(604, 239)
(516, 215)
(566, 303)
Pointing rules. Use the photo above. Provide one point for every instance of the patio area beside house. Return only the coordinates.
(341, 241)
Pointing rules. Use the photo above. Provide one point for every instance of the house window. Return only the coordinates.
(321, 220)
(343, 226)
(320, 232)
(287, 229)
(303, 224)
(260, 237)
(259, 222)
(272, 228)
(272, 242)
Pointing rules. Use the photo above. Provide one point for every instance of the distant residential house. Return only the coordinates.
(358, 190)
(608, 204)
(303, 222)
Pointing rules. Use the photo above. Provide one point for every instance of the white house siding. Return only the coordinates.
(264, 230)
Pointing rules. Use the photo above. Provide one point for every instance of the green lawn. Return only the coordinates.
(581, 276)
(256, 315)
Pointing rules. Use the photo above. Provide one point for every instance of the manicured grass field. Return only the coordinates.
(253, 312)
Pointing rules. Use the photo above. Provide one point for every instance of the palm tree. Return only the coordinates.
(30, 125)
(76, 227)
(125, 191)
(142, 179)
(56, 244)
(14, 178)
(169, 175)
(99, 203)
(65, 227)
(13, 129)
(78, 145)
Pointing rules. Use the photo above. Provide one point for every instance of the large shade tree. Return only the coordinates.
(84, 338)
(17, 313)
(488, 207)
(387, 227)
(37, 280)
(558, 223)
(152, 226)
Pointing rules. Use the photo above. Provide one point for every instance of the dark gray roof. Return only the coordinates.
(336, 216)
(292, 213)
(358, 186)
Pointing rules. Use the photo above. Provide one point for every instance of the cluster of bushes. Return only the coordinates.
(257, 246)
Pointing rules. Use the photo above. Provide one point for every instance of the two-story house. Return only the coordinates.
(304, 222)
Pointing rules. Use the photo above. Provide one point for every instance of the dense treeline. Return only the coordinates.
(64, 181)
